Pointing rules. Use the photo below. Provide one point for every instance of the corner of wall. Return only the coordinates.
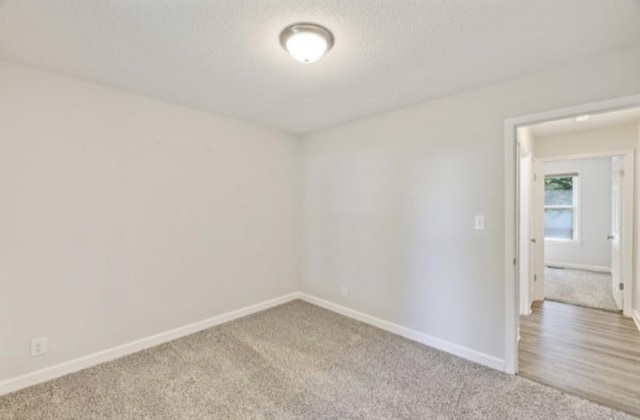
(636, 286)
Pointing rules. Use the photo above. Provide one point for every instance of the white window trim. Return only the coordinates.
(576, 240)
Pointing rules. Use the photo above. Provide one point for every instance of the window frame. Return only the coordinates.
(576, 207)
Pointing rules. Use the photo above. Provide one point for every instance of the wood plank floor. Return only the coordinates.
(586, 352)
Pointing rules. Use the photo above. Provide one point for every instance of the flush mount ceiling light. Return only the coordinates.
(583, 118)
(306, 42)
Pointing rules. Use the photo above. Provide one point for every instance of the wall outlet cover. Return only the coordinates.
(38, 346)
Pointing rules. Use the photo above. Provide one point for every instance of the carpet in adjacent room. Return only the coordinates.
(579, 287)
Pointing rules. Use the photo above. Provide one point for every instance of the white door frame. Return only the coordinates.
(511, 232)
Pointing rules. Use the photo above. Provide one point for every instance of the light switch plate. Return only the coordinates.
(479, 222)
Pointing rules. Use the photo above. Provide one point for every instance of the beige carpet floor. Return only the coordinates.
(579, 287)
(295, 361)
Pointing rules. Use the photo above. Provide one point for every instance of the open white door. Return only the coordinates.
(537, 229)
(614, 237)
(531, 235)
(527, 234)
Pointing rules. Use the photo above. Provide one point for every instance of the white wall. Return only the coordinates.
(389, 202)
(124, 216)
(636, 288)
(593, 250)
(602, 140)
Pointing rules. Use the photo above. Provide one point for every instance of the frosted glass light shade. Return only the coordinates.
(306, 42)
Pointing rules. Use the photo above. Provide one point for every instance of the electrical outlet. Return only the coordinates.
(38, 346)
(344, 292)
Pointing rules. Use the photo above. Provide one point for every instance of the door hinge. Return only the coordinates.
(535, 177)
(535, 277)
(621, 286)
(514, 261)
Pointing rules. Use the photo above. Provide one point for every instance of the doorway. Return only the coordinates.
(581, 214)
(558, 304)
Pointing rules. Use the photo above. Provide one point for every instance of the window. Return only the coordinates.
(561, 207)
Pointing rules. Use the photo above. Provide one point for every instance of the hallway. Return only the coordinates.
(591, 353)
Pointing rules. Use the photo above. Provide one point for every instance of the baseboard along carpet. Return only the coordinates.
(579, 287)
(294, 361)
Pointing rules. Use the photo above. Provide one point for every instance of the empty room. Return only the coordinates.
(304, 209)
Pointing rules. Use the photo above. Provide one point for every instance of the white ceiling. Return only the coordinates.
(595, 121)
(223, 55)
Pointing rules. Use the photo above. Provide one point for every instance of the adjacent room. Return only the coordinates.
(304, 209)
(577, 187)
(578, 229)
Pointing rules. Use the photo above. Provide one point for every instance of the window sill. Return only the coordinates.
(575, 242)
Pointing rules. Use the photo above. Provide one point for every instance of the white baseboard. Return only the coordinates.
(71, 366)
(636, 317)
(458, 350)
(599, 268)
(65, 368)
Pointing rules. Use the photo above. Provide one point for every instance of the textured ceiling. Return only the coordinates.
(595, 121)
(223, 55)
